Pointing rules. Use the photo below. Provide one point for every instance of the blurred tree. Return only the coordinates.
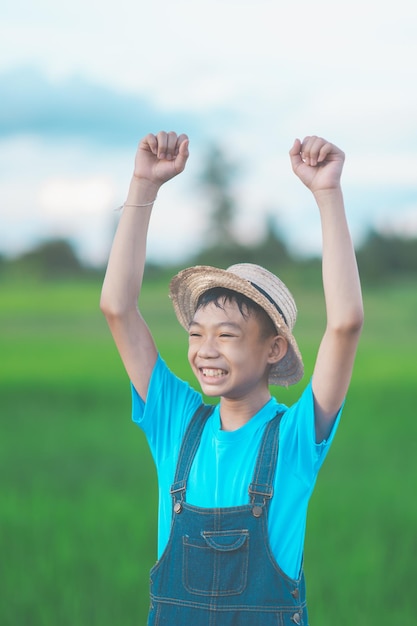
(223, 247)
(216, 179)
(383, 257)
(272, 251)
(51, 259)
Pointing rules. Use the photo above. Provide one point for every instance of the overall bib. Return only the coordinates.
(217, 568)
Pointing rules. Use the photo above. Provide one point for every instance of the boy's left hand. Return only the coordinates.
(317, 163)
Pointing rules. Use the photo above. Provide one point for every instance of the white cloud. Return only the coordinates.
(251, 76)
(69, 199)
(55, 190)
(390, 169)
(404, 225)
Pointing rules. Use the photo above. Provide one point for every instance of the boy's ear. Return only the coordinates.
(279, 347)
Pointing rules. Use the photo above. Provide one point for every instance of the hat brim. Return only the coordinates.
(189, 284)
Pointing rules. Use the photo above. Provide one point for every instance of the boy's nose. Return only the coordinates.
(207, 349)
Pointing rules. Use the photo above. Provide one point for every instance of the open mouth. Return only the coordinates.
(209, 372)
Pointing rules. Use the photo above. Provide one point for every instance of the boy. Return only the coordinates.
(235, 480)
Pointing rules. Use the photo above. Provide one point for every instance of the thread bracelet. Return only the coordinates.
(138, 206)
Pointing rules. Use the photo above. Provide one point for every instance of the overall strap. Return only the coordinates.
(261, 488)
(188, 450)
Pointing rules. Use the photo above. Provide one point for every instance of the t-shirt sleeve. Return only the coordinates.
(301, 452)
(169, 406)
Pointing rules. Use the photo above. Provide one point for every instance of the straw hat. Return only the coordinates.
(258, 284)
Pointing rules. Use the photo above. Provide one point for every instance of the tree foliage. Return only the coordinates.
(385, 257)
(222, 246)
(216, 180)
(381, 258)
(51, 259)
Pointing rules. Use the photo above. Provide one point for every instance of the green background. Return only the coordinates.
(77, 483)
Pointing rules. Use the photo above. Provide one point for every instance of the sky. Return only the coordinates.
(82, 81)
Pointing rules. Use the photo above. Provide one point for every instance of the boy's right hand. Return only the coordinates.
(161, 157)
(317, 163)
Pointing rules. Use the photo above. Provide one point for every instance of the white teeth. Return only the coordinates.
(212, 372)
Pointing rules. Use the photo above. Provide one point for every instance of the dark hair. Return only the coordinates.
(221, 295)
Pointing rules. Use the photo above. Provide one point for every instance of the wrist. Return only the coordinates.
(329, 194)
(142, 191)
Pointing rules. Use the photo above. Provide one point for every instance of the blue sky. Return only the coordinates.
(81, 82)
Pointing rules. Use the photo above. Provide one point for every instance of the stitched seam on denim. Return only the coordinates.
(187, 450)
(285, 610)
(266, 463)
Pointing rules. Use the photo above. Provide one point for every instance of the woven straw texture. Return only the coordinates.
(259, 285)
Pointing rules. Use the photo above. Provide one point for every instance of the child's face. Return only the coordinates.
(227, 352)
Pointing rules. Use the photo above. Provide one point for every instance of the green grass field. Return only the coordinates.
(77, 484)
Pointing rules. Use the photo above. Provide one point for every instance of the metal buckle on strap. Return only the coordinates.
(261, 490)
(178, 486)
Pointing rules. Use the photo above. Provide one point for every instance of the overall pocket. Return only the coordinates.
(216, 562)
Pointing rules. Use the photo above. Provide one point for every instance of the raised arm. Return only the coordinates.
(319, 165)
(158, 159)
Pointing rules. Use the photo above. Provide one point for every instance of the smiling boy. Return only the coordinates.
(234, 479)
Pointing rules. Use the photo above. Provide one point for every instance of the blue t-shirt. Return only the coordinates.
(223, 467)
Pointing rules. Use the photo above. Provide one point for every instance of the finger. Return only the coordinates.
(296, 147)
(162, 139)
(149, 143)
(180, 140)
(326, 149)
(310, 149)
(171, 148)
(182, 156)
(294, 153)
(315, 148)
(330, 152)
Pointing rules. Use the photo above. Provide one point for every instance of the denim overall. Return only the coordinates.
(218, 568)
